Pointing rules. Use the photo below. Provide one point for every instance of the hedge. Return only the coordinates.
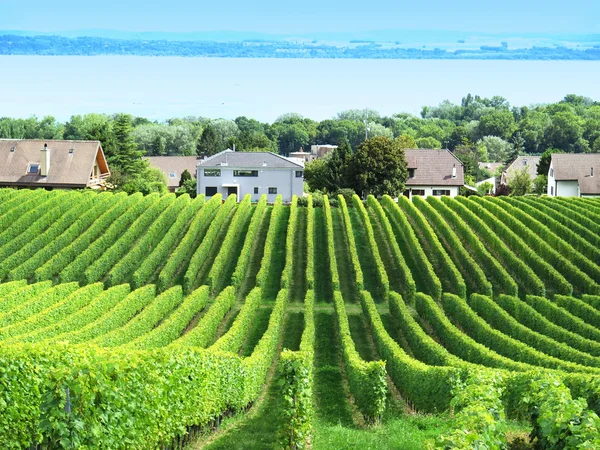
(23, 204)
(310, 244)
(482, 332)
(427, 280)
(99, 306)
(503, 322)
(227, 253)
(101, 242)
(35, 304)
(459, 343)
(200, 256)
(76, 240)
(403, 272)
(579, 308)
(426, 388)
(117, 317)
(568, 265)
(295, 374)
(367, 380)
(145, 321)
(206, 329)
(122, 271)
(527, 280)
(59, 235)
(472, 273)
(532, 319)
(239, 274)
(147, 270)
(172, 327)
(366, 222)
(558, 228)
(562, 317)
(270, 243)
(335, 276)
(121, 246)
(287, 274)
(358, 274)
(233, 340)
(501, 280)
(50, 316)
(451, 279)
(178, 260)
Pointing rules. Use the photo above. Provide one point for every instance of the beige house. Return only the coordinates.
(173, 166)
(530, 163)
(574, 175)
(33, 163)
(433, 172)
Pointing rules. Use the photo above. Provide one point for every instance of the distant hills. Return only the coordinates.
(388, 44)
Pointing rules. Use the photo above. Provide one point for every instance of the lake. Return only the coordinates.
(163, 87)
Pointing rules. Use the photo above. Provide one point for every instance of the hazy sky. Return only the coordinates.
(279, 16)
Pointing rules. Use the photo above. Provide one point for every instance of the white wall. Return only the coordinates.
(429, 189)
(284, 180)
(567, 188)
(551, 180)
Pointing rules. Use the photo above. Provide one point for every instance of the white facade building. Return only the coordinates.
(254, 173)
(574, 175)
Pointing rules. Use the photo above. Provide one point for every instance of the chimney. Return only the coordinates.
(454, 171)
(45, 166)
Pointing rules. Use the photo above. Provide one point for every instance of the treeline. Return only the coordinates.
(478, 130)
(89, 46)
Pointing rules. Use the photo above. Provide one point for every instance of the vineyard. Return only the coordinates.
(171, 322)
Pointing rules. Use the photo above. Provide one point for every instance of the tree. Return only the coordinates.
(338, 166)
(208, 144)
(485, 188)
(565, 131)
(187, 184)
(520, 182)
(428, 142)
(151, 180)
(185, 176)
(316, 174)
(406, 141)
(540, 185)
(127, 157)
(499, 123)
(497, 148)
(379, 167)
(544, 165)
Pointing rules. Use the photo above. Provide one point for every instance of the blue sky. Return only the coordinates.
(302, 16)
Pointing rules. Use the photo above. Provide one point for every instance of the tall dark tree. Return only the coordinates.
(338, 165)
(185, 176)
(127, 158)
(209, 142)
(379, 167)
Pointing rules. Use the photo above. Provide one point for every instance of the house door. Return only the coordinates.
(232, 190)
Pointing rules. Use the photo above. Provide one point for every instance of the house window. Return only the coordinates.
(256, 190)
(299, 174)
(440, 192)
(411, 173)
(524, 162)
(209, 191)
(245, 173)
(420, 192)
(591, 171)
(212, 172)
(33, 168)
(551, 190)
(272, 190)
(173, 174)
(551, 172)
(95, 171)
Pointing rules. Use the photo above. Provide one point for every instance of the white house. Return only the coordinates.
(574, 175)
(255, 173)
(433, 172)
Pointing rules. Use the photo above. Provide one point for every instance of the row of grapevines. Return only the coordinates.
(226, 253)
(172, 327)
(358, 274)
(147, 270)
(270, 243)
(335, 277)
(472, 273)
(290, 260)
(94, 242)
(367, 380)
(239, 274)
(179, 259)
(310, 244)
(526, 278)
(585, 216)
(122, 245)
(7, 288)
(30, 200)
(205, 331)
(192, 276)
(127, 263)
(579, 308)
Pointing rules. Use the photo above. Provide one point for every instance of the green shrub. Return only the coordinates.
(335, 277)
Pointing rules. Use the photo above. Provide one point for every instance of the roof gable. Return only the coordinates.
(434, 168)
(570, 166)
(71, 162)
(247, 160)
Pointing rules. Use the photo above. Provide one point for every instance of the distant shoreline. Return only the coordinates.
(49, 45)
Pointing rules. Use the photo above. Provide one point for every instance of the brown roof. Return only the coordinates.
(578, 167)
(434, 168)
(531, 162)
(174, 165)
(490, 166)
(71, 162)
